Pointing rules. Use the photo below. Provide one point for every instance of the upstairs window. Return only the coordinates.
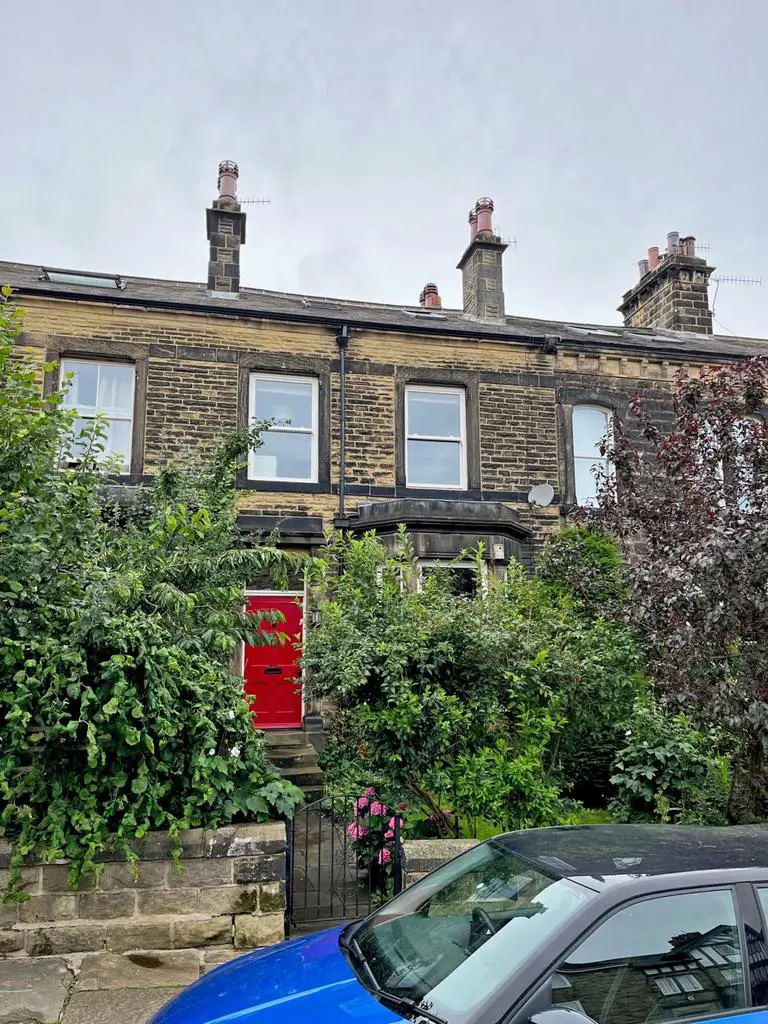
(289, 449)
(590, 423)
(435, 438)
(105, 390)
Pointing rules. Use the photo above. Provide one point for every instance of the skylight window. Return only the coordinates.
(81, 277)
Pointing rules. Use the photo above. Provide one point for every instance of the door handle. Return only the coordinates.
(273, 670)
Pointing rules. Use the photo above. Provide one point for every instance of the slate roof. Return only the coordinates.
(259, 303)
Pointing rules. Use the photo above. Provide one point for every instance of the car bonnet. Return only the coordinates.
(306, 979)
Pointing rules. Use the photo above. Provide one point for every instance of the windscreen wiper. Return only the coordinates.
(395, 1000)
(411, 1005)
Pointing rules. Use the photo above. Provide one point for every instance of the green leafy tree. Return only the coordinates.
(119, 627)
(481, 705)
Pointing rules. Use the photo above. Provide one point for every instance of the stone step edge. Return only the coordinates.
(136, 919)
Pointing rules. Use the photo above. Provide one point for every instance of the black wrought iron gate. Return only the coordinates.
(343, 861)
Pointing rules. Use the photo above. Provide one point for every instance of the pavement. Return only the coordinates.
(98, 988)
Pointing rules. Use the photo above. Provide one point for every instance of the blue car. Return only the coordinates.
(626, 924)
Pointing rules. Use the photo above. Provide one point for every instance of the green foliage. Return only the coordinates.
(585, 564)
(668, 771)
(119, 710)
(483, 705)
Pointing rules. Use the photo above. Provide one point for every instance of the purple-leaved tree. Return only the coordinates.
(691, 508)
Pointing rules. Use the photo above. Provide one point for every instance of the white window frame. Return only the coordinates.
(313, 431)
(64, 369)
(451, 563)
(461, 439)
(597, 459)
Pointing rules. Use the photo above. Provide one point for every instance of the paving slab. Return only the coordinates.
(33, 990)
(119, 1006)
(153, 969)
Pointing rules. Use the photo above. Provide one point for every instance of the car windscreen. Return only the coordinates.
(462, 931)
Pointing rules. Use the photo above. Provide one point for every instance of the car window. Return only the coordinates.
(662, 959)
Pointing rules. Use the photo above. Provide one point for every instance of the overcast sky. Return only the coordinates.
(597, 126)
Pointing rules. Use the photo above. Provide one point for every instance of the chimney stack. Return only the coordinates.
(481, 265)
(429, 296)
(671, 294)
(225, 223)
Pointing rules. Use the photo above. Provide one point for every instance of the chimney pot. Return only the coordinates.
(472, 225)
(666, 298)
(484, 212)
(430, 296)
(228, 175)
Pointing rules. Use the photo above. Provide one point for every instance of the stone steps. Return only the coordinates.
(285, 737)
(296, 758)
(293, 757)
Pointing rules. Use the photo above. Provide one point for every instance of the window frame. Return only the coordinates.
(461, 440)
(746, 980)
(99, 361)
(314, 432)
(448, 563)
(609, 414)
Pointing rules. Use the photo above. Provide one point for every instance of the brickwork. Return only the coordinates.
(518, 437)
(197, 365)
(228, 890)
(190, 405)
(370, 453)
(672, 297)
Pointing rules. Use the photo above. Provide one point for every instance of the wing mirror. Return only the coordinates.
(560, 1015)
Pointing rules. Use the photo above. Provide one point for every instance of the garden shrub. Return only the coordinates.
(669, 771)
(481, 705)
(584, 564)
(119, 709)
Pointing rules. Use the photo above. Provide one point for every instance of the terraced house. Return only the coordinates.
(442, 419)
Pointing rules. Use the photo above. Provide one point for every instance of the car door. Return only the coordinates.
(668, 957)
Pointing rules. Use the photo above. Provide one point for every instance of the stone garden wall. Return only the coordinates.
(420, 856)
(228, 890)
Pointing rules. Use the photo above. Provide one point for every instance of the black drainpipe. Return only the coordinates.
(342, 340)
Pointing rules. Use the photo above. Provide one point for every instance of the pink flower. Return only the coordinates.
(370, 791)
(378, 808)
(385, 856)
(402, 807)
(360, 804)
(389, 835)
(394, 821)
(355, 831)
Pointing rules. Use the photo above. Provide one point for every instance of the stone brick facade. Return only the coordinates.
(227, 891)
(192, 377)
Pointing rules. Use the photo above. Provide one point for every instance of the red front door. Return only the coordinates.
(272, 675)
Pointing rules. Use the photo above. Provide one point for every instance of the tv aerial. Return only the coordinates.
(541, 495)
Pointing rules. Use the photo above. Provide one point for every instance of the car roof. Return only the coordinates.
(603, 851)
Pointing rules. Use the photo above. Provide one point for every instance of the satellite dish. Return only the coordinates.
(541, 495)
